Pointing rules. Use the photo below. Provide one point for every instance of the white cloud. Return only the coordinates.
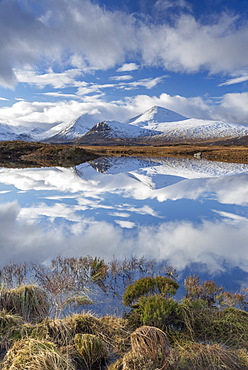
(128, 67)
(167, 4)
(56, 80)
(61, 95)
(125, 224)
(235, 80)
(89, 36)
(122, 78)
(3, 98)
(147, 83)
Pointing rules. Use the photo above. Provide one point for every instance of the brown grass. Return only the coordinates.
(151, 343)
(28, 301)
(32, 354)
(91, 349)
(235, 154)
(196, 356)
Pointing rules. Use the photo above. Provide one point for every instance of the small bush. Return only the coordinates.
(147, 285)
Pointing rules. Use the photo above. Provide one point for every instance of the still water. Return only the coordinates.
(191, 213)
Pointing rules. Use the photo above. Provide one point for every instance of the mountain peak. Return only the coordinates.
(156, 114)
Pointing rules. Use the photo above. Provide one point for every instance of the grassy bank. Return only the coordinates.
(28, 154)
(39, 329)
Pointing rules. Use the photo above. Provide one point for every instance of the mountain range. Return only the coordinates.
(155, 126)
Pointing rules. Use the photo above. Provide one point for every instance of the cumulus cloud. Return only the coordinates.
(84, 34)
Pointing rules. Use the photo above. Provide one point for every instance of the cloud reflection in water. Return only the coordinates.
(186, 211)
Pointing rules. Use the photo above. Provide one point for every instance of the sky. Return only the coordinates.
(115, 59)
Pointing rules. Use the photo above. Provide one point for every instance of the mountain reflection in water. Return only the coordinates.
(186, 211)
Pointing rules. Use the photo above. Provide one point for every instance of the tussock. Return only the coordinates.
(28, 301)
(92, 350)
(195, 356)
(32, 354)
(151, 343)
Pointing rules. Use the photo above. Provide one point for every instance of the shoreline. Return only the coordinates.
(30, 154)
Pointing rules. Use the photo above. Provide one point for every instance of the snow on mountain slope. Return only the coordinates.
(174, 126)
(115, 129)
(67, 132)
(201, 129)
(8, 133)
(155, 115)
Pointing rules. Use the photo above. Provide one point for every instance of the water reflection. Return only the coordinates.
(190, 212)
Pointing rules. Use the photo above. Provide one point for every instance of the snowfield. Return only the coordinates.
(175, 126)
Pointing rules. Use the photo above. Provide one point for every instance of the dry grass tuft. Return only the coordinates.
(116, 334)
(195, 356)
(132, 361)
(28, 301)
(92, 349)
(151, 343)
(32, 354)
(10, 327)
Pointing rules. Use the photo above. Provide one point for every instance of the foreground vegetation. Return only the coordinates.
(44, 323)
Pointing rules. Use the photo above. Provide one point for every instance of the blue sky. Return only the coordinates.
(115, 59)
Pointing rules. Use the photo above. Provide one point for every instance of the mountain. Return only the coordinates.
(175, 127)
(156, 126)
(68, 132)
(8, 133)
(107, 131)
(155, 115)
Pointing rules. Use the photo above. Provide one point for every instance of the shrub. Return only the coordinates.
(160, 312)
(147, 285)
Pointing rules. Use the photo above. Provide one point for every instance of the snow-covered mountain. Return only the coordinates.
(68, 132)
(176, 127)
(154, 127)
(106, 131)
(155, 115)
(8, 133)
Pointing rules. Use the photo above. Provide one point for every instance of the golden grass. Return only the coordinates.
(32, 354)
(151, 343)
(28, 301)
(91, 348)
(196, 356)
